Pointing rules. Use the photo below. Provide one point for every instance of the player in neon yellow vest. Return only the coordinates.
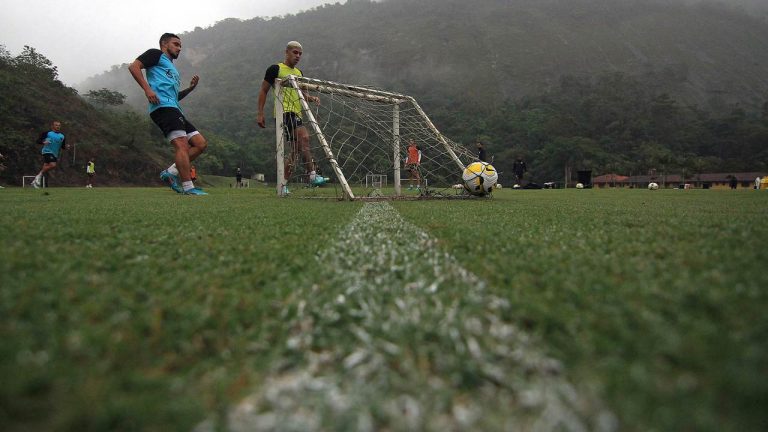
(295, 133)
(90, 170)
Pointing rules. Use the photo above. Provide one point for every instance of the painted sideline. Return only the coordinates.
(398, 335)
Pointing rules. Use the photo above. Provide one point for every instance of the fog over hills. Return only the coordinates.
(701, 53)
(515, 73)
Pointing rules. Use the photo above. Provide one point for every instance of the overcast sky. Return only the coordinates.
(86, 37)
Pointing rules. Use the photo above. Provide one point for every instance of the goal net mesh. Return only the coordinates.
(359, 138)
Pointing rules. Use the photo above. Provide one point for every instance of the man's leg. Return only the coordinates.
(197, 145)
(290, 161)
(181, 158)
(42, 177)
(306, 155)
(182, 147)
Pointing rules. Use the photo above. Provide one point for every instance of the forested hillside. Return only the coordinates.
(604, 84)
(126, 149)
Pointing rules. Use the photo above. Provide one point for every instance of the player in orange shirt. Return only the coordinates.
(412, 163)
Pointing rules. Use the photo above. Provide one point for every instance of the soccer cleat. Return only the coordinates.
(36, 183)
(171, 180)
(195, 191)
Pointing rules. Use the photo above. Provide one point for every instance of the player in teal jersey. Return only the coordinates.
(161, 87)
(53, 141)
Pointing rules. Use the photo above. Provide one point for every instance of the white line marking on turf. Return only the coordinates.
(399, 335)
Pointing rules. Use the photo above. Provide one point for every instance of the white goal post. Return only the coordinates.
(357, 131)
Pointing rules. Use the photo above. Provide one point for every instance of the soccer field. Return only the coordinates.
(139, 309)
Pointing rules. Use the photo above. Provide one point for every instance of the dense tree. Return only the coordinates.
(105, 97)
(31, 61)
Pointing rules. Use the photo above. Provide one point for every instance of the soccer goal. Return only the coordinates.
(27, 181)
(375, 181)
(359, 138)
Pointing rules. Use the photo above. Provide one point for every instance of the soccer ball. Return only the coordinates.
(579, 185)
(653, 186)
(480, 178)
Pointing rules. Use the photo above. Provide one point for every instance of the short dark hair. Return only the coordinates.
(166, 37)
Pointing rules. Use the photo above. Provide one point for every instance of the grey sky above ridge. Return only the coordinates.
(86, 37)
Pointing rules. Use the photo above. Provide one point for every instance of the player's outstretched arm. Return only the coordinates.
(135, 70)
(188, 90)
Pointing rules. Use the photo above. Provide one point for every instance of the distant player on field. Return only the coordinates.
(412, 163)
(90, 171)
(53, 141)
(481, 152)
(162, 90)
(519, 169)
(295, 133)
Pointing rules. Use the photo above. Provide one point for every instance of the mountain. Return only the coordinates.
(707, 55)
(465, 61)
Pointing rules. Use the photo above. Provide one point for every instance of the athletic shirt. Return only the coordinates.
(52, 142)
(291, 102)
(413, 155)
(162, 77)
(90, 168)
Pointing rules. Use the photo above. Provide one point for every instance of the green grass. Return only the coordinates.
(657, 298)
(137, 309)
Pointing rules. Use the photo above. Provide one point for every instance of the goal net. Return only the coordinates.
(358, 144)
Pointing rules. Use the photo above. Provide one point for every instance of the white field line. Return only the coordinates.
(398, 335)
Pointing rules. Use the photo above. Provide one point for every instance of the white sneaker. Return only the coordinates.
(36, 183)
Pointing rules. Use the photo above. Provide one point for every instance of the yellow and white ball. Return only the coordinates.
(480, 178)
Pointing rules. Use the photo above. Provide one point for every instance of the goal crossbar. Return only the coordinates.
(359, 92)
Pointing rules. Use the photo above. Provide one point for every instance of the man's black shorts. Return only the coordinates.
(172, 122)
(49, 158)
(291, 122)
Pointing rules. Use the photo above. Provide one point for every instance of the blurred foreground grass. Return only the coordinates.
(657, 298)
(137, 309)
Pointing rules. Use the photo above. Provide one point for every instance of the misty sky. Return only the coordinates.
(86, 37)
